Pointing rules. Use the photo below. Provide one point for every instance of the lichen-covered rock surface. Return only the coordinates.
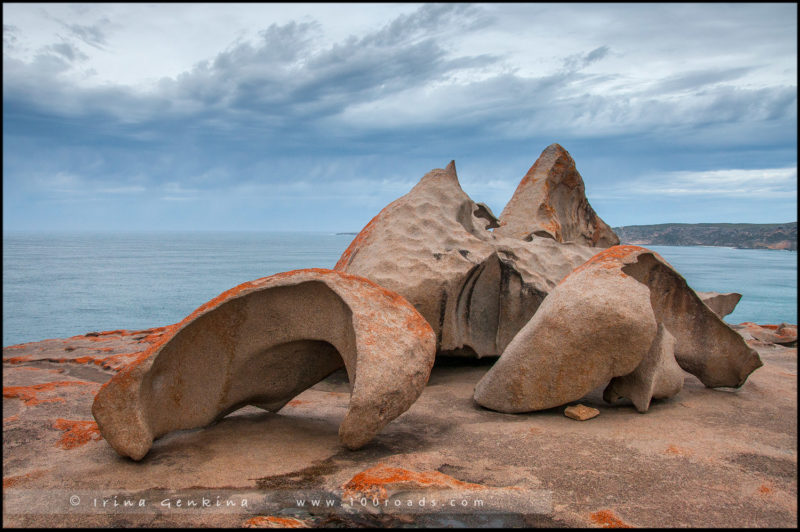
(767, 334)
(476, 285)
(601, 322)
(705, 457)
(264, 342)
(550, 202)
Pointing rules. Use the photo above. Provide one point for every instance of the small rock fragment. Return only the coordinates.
(581, 412)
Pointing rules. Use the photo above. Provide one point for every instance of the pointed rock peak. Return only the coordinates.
(551, 199)
(441, 177)
(556, 148)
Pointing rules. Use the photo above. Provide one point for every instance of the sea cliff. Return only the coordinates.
(745, 236)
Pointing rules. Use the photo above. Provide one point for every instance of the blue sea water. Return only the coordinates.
(59, 285)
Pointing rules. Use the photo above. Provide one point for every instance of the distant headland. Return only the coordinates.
(743, 236)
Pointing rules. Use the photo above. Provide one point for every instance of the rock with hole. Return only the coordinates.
(264, 342)
(476, 287)
(600, 323)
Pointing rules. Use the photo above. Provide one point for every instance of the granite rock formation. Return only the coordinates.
(476, 287)
(601, 322)
(721, 304)
(264, 342)
(550, 202)
(783, 334)
(658, 376)
(699, 441)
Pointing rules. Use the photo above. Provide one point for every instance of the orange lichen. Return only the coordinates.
(270, 521)
(414, 322)
(764, 489)
(76, 433)
(373, 482)
(104, 336)
(607, 259)
(10, 482)
(10, 419)
(19, 346)
(607, 519)
(297, 402)
(111, 362)
(17, 360)
(554, 227)
(360, 238)
(674, 449)
(28, 394)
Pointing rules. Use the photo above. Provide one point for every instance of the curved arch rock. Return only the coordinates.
(264, 342)
(601, 322)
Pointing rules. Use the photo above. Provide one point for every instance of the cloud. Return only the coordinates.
(764, 183)
(92, 34)
(580, 61)
(280, 80)
(403, 76)
(68, 51)
(283, 110)
(9, 37)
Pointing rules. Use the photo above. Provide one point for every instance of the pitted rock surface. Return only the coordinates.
(476, 287)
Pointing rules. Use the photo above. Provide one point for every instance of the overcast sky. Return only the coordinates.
(314, 117)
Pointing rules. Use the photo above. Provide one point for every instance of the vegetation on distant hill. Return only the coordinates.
(764, 236)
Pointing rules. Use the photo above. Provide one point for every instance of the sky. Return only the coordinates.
(313, 117)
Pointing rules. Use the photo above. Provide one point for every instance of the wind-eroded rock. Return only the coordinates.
(264, 342)
(476, 288)
(600, 322)
(550, 202)
(658, 376)
(721, 304)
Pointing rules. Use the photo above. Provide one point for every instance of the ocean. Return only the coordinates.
(65, 284)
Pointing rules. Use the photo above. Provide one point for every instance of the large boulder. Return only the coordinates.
(264, 342)
(550, 202)
(476, 287)
(601, 322)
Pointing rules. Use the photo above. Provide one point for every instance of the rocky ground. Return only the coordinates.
(719, 458)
